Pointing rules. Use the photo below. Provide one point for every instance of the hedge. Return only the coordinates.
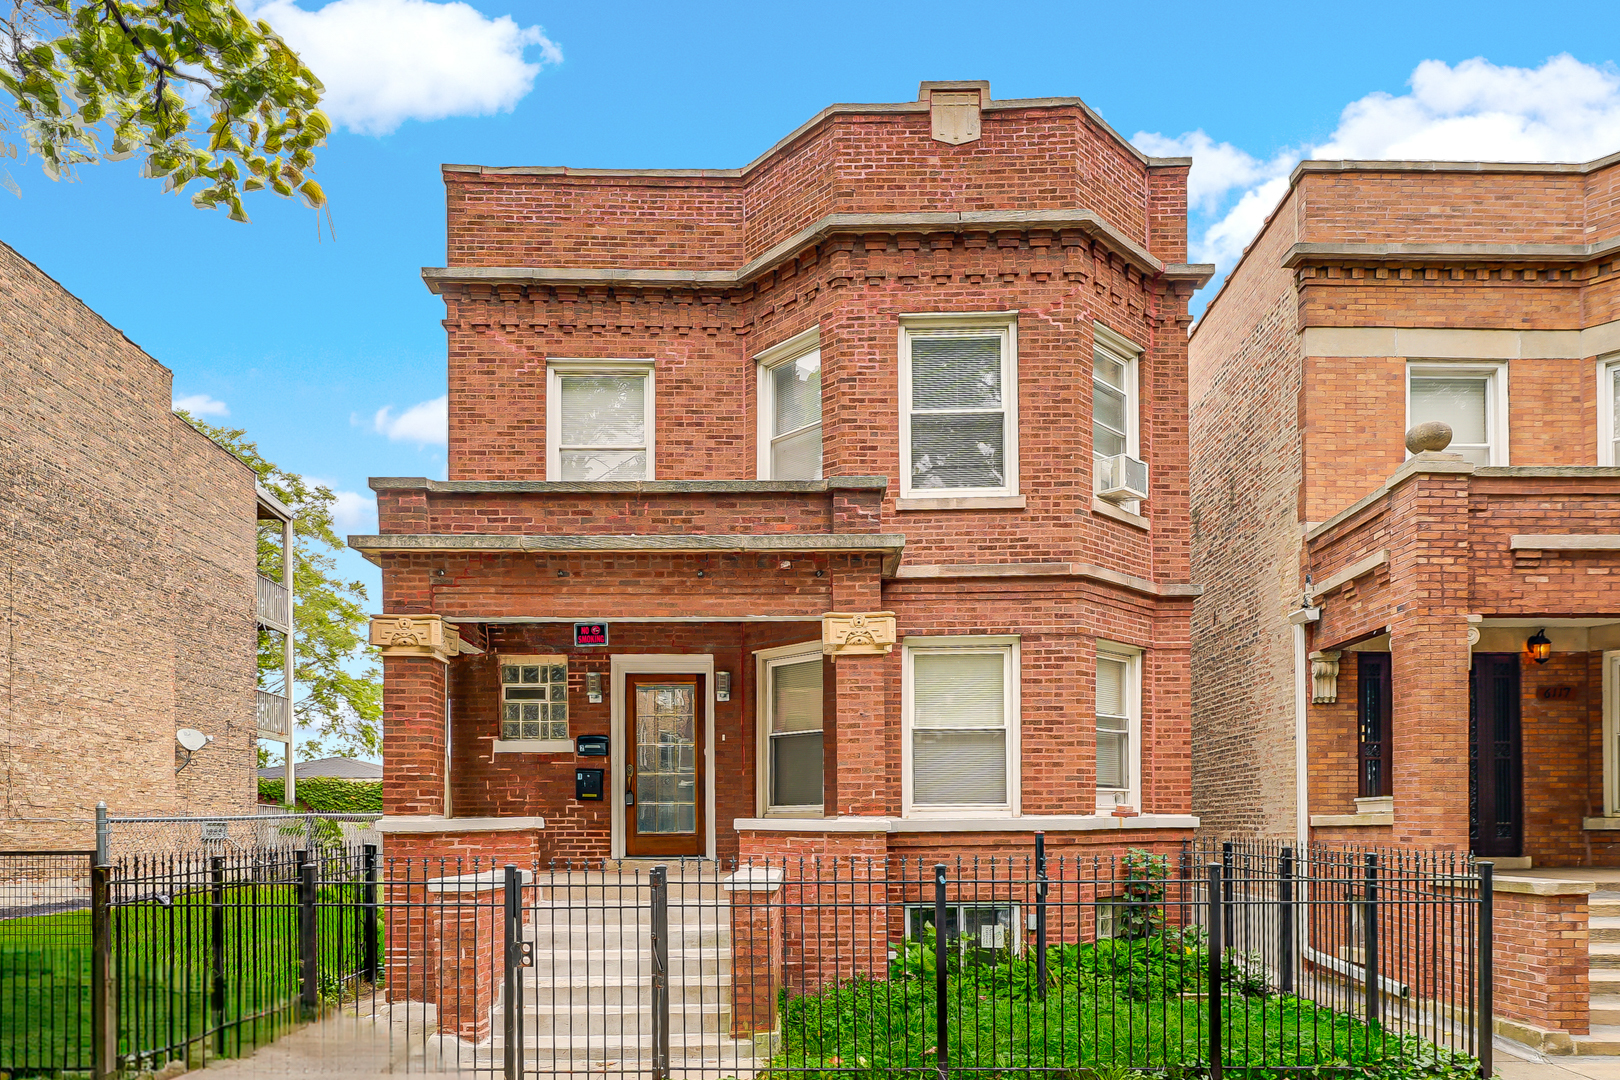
(329, 795)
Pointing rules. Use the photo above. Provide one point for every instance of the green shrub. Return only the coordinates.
(328, 795)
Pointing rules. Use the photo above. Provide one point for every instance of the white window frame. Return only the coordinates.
(1006, 324)
(502, 745)
(1611, 733)
(1496, 396)
(1131, 795)
(1608, 369)
(787, 352)
(764, 661)
(556, 369)
(1130, 354)
(1010, 647)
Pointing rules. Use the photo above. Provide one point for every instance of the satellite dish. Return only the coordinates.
(190, 739)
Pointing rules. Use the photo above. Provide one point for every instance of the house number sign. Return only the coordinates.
(1555, 693)
(590, 633)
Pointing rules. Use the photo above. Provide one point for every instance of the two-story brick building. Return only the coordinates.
(834, 503)
(1415, 642)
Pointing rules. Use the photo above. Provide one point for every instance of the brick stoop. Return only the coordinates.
(1603, 946)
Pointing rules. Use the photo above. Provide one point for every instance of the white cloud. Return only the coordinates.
(202, 405)
(388, 61)
(1563, 110)
(351, 511)
(427, 422)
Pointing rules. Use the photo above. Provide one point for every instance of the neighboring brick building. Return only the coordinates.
(127, 581)
(819, 432)
(1362, 643)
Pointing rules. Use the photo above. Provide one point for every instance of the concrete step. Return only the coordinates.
(592, 989)
(1603, 928)
(582, 1021)
(1605, 1009)
(626, 1049)
(1604, 1041)
(1604, 954)
(605, 962)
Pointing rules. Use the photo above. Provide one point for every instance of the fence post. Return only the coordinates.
(1228, 908)
(1285, 921)
(1369, 948)
(1487, 1004)
(310, 989)
(368, 919)
(102, 836)
(514, 959)
(103, 989)
(1217, 879)
(216, 942)
(942, 1030)
(1040, 914)
(660, 972)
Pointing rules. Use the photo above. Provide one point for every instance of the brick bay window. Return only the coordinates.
(958, 410)
(1609, 411)
(599, 420)
(959, 701)
(534, 705)
(1119, 726)
(790, 743)
(1471, 398)
(1373, 712)
(790, 409)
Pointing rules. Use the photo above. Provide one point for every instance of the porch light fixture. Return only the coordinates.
(1538, 647)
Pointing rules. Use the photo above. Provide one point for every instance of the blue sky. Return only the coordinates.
(303, 338)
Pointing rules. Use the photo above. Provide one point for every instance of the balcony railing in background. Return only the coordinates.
(272, 715)
(271, 605)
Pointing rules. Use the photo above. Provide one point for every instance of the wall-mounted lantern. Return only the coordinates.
(1538, 647)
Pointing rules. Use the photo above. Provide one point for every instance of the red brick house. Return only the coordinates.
(836, 503)
(1399, 643)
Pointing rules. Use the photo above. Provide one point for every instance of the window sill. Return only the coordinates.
(969, 502)
(1351, 821)
(1601, 824)
(533, 746)
(966, 823)
(1109, 510)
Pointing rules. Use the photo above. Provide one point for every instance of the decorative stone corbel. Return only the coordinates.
(418, 635)
(857, 634)
(1325, 677)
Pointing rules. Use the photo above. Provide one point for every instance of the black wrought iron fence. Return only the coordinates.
(45, 969)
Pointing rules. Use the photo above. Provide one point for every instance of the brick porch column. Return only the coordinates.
(862, 746)
(463, 933)
(413, 717)
(1541, 970)
(756, 948)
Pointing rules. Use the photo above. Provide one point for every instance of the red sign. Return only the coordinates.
(590, 633)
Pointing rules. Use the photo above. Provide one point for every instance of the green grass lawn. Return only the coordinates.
(163, 960)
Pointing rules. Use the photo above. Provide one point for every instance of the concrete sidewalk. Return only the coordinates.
(1565, 1068)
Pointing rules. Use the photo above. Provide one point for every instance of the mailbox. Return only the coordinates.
(591, 746)
(588, 784)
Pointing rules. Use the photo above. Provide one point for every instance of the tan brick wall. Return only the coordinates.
(126, 581)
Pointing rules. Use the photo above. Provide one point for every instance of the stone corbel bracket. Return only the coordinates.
(418, 635)
(1325, 677)
(845, 633)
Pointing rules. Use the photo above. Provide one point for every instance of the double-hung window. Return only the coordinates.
(1609, 411)
(1119, 724)
(790, 711)
(961, 716)
(599, 420)
(1114, 400)
(1470, 398)
(958, 406)
(790, 409)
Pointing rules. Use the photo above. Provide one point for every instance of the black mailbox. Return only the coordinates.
(588, 784)
(591, 746)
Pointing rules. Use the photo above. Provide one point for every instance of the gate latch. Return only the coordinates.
(526, 954)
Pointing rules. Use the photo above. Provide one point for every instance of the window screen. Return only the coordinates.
(603, 427)
(1463, 402)
(1113, 723)
(959, 728)
(957, 411)
(534, 697)
(795, 732)
(795, 421)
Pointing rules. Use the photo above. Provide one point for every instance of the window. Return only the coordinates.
(534, 698)
(790, 409)
(961, 741)
(978, 930)
(1373, 713)
(1471, 398)
(790, 692)
(958, 406)
(1119, 713)
(1114, 423)
(1609, 412)
(599, 420)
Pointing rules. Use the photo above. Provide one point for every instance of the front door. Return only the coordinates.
(664, 782)
(1496, 820)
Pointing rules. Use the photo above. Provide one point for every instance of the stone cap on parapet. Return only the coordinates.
(629, 487)
(1579, 168)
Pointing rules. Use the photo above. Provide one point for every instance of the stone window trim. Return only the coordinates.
(1123, 350)
(1495, 372)
(766, 435)
(916, 325)
(1132, 656)
(558, 368)
(1009, 648)
(764, 661)
(544, 732)
(1611, 736)
(1608, 426)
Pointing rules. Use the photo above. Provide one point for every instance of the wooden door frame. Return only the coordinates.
(622, 664)
(678, 845)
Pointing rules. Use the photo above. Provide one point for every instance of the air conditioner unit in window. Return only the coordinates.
(1121, 478)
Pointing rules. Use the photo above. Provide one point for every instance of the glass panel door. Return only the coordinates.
(664, 786)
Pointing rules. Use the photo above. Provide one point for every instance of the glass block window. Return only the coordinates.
(958, 388)
(534, 697)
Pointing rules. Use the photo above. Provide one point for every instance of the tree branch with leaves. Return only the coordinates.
(210, 96)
